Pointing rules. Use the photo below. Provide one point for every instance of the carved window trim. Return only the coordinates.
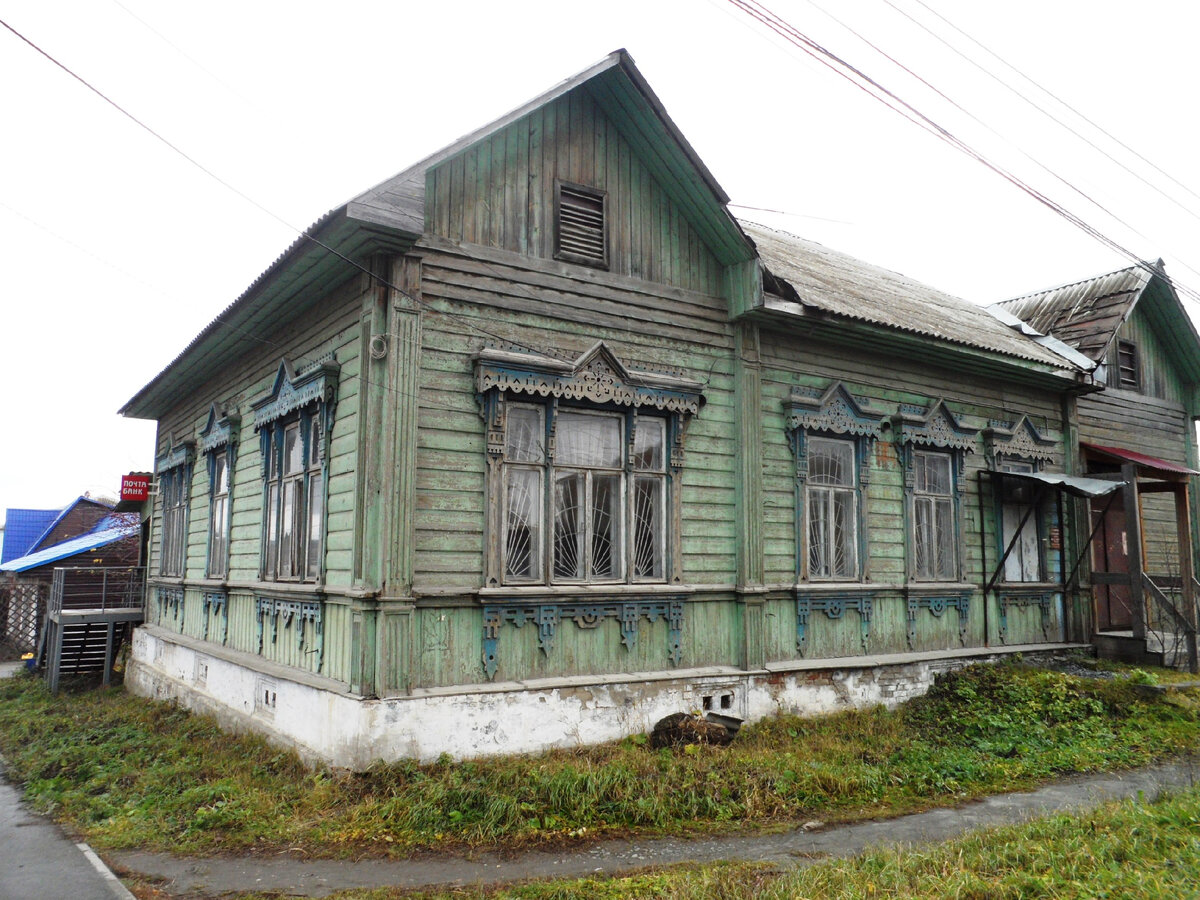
(1019, 447)
(303, 403)
(218, 443)
(918, 432)
(173, 474)
(599, 383)
(833, 413)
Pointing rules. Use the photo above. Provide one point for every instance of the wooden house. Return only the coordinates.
(534, 444)
(1141, 430)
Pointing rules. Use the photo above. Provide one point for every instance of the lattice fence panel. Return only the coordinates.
(22, 607)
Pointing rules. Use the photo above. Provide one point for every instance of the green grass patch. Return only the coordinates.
(128, 772)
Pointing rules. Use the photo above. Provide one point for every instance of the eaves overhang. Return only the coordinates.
(325, 255)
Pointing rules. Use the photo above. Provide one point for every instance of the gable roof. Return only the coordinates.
(1088, 314)
(813, 279)
(22, 528)
(391, 216)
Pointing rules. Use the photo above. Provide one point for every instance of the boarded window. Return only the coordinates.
(1018, 514)
(832, 506)
(582, 234)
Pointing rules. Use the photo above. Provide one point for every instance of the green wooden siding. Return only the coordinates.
(500, 193)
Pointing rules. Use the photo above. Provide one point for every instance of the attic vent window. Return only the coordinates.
(1127, 365)
(582, 237)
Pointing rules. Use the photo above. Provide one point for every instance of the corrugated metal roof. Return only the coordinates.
(82, 544)
(836, 283)
(22, 528)
(1085, 314)
(1139, 459)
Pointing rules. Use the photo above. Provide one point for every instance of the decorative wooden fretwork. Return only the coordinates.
(1019, 440)
(170, 600)
(216, 603)
(937, 604)
(1006, 600)
(832, 411)
(935, 426)
(220, 430)
(291, 391)
(549, 616)
(597, 376)
(294, 613)
(179, 453)
(834, 606)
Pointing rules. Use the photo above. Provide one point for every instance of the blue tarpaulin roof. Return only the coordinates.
(22, 528)
(108, 532)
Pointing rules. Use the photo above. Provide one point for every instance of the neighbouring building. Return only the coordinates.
(535, 443)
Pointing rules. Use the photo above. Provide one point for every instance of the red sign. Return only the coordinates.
(135, 487)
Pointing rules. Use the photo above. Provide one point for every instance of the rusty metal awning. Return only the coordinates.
(1120, 454)
(1075, 485)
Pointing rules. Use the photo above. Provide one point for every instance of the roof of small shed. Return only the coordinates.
(835, 283)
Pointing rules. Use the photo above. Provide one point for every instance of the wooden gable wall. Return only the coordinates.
(500, 193)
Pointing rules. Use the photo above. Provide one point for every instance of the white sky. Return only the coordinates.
(116, 251)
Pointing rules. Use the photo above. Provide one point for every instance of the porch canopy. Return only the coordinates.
(1150, 466)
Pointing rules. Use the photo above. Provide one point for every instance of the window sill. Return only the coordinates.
(938, 587)
(1027, 587)
(837, 587)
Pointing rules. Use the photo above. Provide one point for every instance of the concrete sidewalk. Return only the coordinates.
(38, 860)
(294, 875)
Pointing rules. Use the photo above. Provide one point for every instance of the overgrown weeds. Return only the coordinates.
(129, 772)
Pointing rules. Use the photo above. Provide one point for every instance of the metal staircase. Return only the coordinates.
(90, 614)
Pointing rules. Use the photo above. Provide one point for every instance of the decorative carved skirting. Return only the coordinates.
(548, 616)
(299, 611)
(216, 602)
(171, 600)
(834, 606)
(937, 606)
(1006, 600)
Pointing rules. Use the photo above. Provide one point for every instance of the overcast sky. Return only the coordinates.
(117, 250)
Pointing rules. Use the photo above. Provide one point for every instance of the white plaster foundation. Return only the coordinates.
(324, 723)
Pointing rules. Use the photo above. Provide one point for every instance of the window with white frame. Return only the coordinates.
(593, 510)
(935, 541)
(832, 507)
(295, 499)
(173, 489)
(1019, 518)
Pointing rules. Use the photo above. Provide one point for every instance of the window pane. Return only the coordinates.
(220, 474)
(844, 550)
(316, 519)
(292, 459)
(831, 462)
(944, 539)
(568, 525)
(818, 533)
(647, 526)
(648, 441)
(523, 523)
(583, 440)
(287, 534)
(219, 536)
(607, 546)
(932, 473)
(524, 435)
(272, 530)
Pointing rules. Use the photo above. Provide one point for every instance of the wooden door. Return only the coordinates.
(1110, 555)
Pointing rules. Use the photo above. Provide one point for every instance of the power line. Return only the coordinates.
(876, 90)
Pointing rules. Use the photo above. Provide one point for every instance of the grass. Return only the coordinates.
(1127, 849)
(127, 772)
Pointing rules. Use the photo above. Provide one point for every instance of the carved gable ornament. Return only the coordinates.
(291, 391)
(1022, 441)
(936, 426)
(834, 410)
(597, 376)
(219, 430)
